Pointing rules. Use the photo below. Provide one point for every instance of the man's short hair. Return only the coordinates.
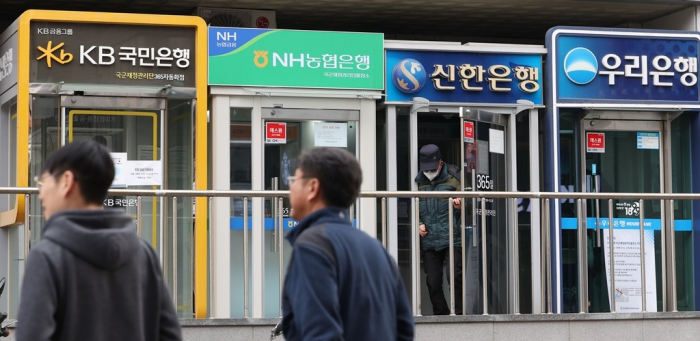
(91, 164)
(338, 172)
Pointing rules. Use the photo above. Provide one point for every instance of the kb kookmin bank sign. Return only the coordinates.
(112, 54)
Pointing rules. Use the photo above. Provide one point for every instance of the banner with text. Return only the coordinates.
(304, 59)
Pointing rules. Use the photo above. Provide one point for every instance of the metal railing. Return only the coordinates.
(545, 199)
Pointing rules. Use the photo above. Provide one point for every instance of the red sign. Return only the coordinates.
(595, 142)
(468, 132)
(276, 132)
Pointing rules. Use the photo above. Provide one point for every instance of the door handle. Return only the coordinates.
(596, 180)
(274, 185)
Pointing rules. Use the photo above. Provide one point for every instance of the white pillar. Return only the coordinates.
(535, 226)
(368, 160)
(220, 275)
(258, 233)
(391, 185)
(511, 186)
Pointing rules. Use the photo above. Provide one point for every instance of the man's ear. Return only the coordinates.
(67, 183)
(314, 189)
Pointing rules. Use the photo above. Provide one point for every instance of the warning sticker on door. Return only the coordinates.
(647, 140)
(595, 142)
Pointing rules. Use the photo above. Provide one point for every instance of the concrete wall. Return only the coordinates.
(686, 20)
(588, 327)
(584, 327)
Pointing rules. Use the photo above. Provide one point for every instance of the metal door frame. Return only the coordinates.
(300, 115)
(131, 103)
(610, 121)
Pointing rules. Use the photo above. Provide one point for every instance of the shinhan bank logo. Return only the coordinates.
(580, 66)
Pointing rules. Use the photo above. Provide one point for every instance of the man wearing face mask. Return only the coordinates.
(435, 175)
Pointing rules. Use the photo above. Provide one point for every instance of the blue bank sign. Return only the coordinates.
(463, 77)
(624, 66)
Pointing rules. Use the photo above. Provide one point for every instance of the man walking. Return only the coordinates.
(341, 284)
(434, 227)
(91, 277)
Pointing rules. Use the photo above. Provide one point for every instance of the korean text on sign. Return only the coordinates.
(472, 77)
(664, 69)
(159, 57)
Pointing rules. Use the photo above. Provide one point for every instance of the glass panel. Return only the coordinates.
(179, 170)
(280, 163)
(241, 179)
(524, 205)
(13, 144)
(681, 161)
(45, 137)
(485, 163)
(14, 279)
(626, 164)
(403, 183)
(133, 139)
(568, 168)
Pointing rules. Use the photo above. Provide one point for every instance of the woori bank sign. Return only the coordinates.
(623, 66)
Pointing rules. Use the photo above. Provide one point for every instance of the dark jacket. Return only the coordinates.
(342, 285)
(434, 212)
(92, 278)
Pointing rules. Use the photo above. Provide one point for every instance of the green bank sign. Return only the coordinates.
(304, 59)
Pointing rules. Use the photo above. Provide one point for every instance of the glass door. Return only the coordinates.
(484, 170)
(133, 140)
(625, 157)
(288, 133)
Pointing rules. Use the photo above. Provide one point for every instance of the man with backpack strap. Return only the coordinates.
(341, 283)
(436, 175)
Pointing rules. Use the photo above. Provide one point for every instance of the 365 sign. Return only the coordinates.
(112, 54)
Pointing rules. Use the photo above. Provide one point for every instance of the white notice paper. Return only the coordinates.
(628, 274)
(496, 141)
(120, 161)
(144, 173)
(330, 134)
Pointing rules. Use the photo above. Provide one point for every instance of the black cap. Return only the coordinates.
(429, 157)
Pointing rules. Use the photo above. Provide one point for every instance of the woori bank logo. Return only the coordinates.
(409, 75)
(580, 66)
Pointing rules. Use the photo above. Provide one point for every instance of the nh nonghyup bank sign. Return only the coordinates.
(623, 66)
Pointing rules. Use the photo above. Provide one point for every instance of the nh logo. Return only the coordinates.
(225, 36)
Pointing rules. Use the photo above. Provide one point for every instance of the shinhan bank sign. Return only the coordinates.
(624, 66)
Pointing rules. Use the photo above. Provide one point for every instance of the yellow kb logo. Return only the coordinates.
(260, 55)
(63, 57)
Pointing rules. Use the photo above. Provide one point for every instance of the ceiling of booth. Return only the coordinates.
(456, 20)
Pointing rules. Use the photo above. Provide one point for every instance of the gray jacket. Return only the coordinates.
(93, 278)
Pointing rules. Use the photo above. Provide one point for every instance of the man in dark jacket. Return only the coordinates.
(91, 277)
(341, 284)
(434, 227)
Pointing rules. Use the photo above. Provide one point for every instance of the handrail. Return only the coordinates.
(385, 194)
(478, 233)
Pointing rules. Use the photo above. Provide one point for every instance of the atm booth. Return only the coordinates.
(623, 117)
(273, 98)
(135, 83)
(479, 104)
